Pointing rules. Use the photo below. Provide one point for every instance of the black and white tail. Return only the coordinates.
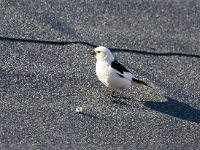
(137, 82)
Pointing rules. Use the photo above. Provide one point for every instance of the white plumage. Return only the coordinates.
(111, 73)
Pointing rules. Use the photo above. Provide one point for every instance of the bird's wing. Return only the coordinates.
(124, 73)
(117, 66)
(121, 70)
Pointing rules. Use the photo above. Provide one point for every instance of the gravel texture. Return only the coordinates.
(42, 85)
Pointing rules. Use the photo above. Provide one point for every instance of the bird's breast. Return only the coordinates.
(103, 72)
(111, 78)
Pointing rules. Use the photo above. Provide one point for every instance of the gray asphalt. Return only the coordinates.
(41, 85)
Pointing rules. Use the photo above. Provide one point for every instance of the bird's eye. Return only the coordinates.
(98, 51)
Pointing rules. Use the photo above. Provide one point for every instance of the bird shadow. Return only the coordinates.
(122, 100)
(176, 109)
(118, 99)
(170, 107)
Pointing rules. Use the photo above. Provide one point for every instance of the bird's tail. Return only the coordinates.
(139, 83)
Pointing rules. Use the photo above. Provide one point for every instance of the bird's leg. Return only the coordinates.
(113, 97)
(112, 93)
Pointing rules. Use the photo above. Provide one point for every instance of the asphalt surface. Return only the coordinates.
(41, 85)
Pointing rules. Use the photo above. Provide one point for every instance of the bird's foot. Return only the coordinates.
(116, 100)
(112, 94)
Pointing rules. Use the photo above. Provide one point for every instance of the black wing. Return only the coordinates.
(116, 65)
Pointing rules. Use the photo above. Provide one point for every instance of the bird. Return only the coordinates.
(113, 74)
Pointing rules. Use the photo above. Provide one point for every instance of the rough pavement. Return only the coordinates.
(41, 85)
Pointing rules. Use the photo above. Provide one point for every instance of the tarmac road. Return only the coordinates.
(41, 85)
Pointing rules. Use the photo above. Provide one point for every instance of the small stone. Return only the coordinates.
(104, 23)
(79, 109)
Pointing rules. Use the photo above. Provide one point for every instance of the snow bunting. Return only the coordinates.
(111, 73)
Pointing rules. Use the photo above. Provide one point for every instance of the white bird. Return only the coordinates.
(111, 73)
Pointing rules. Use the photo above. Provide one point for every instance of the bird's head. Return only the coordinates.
(102, 53)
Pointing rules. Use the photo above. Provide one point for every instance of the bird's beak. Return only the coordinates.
(93, 53)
